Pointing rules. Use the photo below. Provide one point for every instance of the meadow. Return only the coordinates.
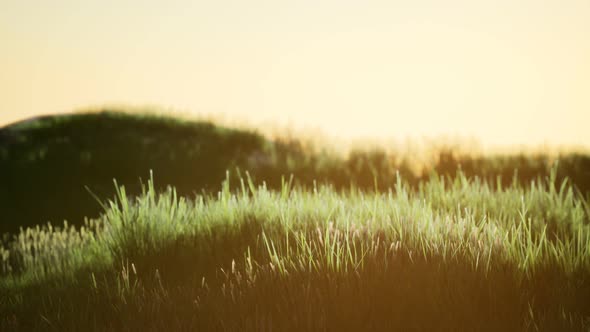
(244, 233)
(55, 161)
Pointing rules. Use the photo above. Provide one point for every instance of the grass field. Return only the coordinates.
(450, 256)
(52, 160)
(455, 248)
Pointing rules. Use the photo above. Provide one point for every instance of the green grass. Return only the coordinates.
(450, 254)
(50, 161)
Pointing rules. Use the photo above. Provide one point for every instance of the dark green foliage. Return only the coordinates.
(47, 163)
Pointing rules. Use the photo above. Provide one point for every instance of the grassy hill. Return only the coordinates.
(365, 241)
(47, 163)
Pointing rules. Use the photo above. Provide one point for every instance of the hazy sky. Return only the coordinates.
(506, 72)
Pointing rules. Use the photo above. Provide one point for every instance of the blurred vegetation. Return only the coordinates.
(47, 163)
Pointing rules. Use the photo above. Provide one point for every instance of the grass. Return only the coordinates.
(369, 240)
(453, 253)
(50, 161)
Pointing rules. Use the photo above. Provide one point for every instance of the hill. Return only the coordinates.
(47, 163)
(365, 241)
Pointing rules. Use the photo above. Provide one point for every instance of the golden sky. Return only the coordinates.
(503, 71)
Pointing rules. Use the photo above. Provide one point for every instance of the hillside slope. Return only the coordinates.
(46, 163)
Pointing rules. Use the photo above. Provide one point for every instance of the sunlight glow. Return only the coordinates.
(504, 72)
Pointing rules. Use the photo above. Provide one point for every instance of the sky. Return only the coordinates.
(503, 72)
